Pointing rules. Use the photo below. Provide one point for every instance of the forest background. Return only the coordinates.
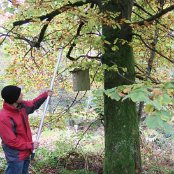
(128, 48)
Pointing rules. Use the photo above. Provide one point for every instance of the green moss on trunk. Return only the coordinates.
(122, 152)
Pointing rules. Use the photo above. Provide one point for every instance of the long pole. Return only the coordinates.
(48, 99)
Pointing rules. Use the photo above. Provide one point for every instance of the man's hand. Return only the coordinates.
(35, 144)
(50, 92)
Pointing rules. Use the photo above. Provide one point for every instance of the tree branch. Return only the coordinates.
(74, 44)
(42, 33)
(141, 77)
(141, 8)
(82, 23)
(156, 16)
(153, 49)
(56, 12)
(48, 17)
(6, 35)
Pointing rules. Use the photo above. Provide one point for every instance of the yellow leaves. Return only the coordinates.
(124, 20)
(107, 42)
(169, 16)
(11, 37)
(1, 39)
(1, 12)
(148, 108)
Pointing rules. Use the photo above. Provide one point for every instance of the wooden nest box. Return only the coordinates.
(81, 81)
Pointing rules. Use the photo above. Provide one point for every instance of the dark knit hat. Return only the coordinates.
(10, 93)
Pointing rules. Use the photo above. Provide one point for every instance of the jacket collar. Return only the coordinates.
(10, 107)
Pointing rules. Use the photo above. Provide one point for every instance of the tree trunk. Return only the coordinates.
(122, 147)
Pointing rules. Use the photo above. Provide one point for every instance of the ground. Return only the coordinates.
(72, 151)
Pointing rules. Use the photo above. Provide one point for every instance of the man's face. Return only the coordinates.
(20, 98)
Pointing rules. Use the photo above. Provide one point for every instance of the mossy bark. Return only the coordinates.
(122, 147)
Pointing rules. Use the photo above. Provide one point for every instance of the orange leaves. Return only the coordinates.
(121, 94)
(41, 62)
(124, 92)
(40, 2)
(157, 92)
(15, 3)
(127, 90)
(146, 23)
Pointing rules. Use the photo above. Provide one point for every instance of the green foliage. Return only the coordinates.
(158, 100)
(2, 164)
(112, 94)
(98, 101)
(48, 158)
(156, 122)
(139, 94)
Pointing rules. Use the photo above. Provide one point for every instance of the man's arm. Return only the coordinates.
(32, 105)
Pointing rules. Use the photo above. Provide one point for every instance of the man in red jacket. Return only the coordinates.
(15, 130)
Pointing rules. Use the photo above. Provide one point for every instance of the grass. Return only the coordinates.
(70, 152)
(67, 151)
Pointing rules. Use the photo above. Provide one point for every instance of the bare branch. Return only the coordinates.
(41, 36)
(144, 76)
(141, 8)
(27, 52)
(6, 35)
(82, 23)
(97, 57)
(153, 49)
(152, 52)
(74, 44)
(156, 16)
(85, 133)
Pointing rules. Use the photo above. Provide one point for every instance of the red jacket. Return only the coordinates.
(18, 145)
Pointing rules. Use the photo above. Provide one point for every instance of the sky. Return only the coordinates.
(5, 4)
